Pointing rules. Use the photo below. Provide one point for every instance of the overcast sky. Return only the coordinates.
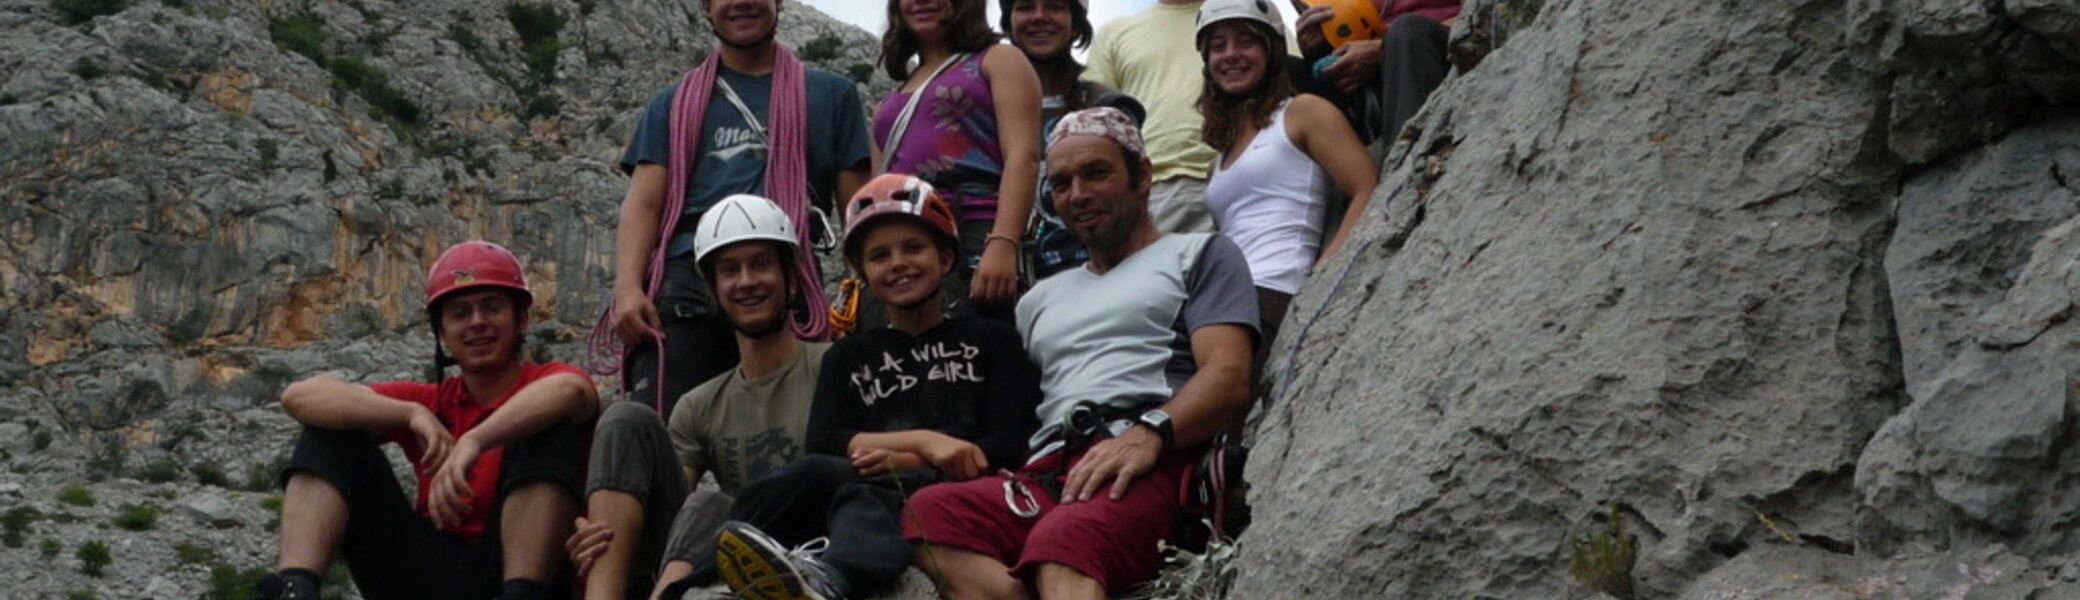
(869, 14)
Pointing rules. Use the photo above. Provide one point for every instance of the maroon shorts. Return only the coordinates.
(1112, 541)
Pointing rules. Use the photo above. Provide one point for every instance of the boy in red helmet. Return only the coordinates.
(498, 451)
(927, 398)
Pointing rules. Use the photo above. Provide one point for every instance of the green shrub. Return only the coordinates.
(15, 524)
(136, 517)
(82, 595)
(534, 22)
(373, 85)
(541, 58)
(272, 503)
(190, 553)
(228, 583)
(824, 48)
(209, 474)
(274, 374)
(50, 548)
(76, 495)
(860, 72)
(92, 557)
(161, 470)
(88, 69)
(301, 33)
(40, 441)
(75, 12)
(270, 153)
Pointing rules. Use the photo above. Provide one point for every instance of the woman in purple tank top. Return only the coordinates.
(972, 132)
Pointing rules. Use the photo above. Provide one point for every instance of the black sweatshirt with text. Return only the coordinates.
(967, 377)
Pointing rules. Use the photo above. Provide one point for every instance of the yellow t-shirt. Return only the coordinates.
(1152, 55)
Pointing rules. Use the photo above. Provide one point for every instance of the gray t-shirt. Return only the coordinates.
(742, 429)
(733, 154)
(1124, 338)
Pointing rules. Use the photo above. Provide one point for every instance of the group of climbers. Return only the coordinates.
(1065, 281)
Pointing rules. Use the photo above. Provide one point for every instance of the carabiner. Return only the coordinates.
(1014, 492)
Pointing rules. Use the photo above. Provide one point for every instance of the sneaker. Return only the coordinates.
(757, 567)
(276, 586)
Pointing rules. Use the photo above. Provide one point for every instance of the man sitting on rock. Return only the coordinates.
(742, 425)
(498, 451)
(1144, 355)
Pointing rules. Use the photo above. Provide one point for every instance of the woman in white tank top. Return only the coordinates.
(1278, 154)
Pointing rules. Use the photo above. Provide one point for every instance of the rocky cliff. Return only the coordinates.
(201, 200)
(1720, 300)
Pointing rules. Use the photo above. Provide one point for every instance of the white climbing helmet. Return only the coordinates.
(1261, 11)
(742, 218)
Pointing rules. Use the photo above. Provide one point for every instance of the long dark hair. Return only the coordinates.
(970, 33)
(1060, 73)
(1224, 111)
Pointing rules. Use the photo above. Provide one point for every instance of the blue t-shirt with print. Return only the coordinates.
(733, 153)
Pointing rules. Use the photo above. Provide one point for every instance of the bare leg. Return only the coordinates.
(1059, 582)
(673, 570)
(314, 520)
(622, 513)
(533, 524)
(964, 575)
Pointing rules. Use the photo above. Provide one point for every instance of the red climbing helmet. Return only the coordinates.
(475, 264)
(897, 194)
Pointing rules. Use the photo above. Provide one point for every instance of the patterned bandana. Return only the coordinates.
(1102, 121)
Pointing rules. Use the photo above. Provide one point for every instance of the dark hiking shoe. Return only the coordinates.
(281, 585)
(757, 567)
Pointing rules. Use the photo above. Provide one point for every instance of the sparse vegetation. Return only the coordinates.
(538, 25)
(391, 189)
(93, 556)
(137, 517)
(190, 553)
(824, 48)
(109, 460)
(860, 72)
(77, 12)
(274, 374)
(50, 548)
(301, 33)
(14, 525)
(160, 470)
(269, 151)
(230, 583)
(1192, 576)
(88, 69)
(209, 474)
(1601, 556)
(76, 495)
(82, 595)
(40, 441)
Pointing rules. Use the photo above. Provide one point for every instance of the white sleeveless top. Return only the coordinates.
(1271, 204)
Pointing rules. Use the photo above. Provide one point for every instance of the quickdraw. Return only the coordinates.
(845, 311)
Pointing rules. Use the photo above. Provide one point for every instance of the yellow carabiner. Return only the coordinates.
(845, 311)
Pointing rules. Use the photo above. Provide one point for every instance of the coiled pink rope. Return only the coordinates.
(786, 183)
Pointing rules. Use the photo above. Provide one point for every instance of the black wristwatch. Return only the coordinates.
(1159, 421)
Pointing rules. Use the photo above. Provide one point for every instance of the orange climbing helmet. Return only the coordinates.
(1352, 20)
(475, 264)
(893, 194)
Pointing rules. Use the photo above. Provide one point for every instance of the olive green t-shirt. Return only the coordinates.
(742, 429)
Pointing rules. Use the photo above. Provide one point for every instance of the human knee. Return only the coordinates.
(621, 419)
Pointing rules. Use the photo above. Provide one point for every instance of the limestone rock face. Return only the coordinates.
(1732, 273)
(202, 200)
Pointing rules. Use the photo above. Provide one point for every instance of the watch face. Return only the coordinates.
(1156, 417)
